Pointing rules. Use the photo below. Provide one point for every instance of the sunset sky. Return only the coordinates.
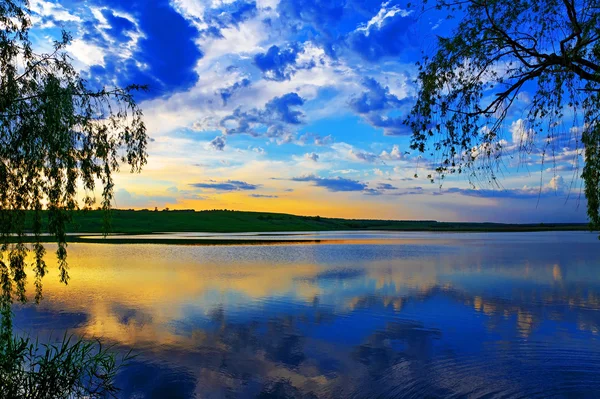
(293, 106)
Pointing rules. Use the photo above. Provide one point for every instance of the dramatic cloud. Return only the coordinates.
(275, 117)
(240, 87)
(164, 56)
(280, 63)
(282, 108)
(229, 185)
(376, 98)
(375, 102)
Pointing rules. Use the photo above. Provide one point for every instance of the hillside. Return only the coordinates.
(223, 221)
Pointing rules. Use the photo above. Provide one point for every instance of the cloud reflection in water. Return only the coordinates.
(482, 315)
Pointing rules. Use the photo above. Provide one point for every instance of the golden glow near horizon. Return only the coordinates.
(177, 165)
(141, 191)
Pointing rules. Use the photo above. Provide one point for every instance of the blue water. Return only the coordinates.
(388, 315)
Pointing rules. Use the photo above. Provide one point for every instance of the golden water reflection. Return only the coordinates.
(139, 277)
(326, 319)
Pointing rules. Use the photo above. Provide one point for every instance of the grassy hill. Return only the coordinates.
(222, 221)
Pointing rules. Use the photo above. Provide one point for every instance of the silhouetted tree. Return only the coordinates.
(499, 49)
(56, 135)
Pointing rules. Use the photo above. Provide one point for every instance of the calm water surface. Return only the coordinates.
(366, 315)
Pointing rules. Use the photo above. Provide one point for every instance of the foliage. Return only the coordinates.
(70, 369)
(497, 52)
(58, 140)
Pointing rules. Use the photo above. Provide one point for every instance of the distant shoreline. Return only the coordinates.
(130, 222)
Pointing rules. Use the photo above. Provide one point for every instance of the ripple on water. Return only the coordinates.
(439, 316)
(518, 368)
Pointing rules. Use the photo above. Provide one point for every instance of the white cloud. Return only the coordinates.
(97, 13)
(201, 108)
(49, 9)
(363, 156)
(314, 138)
(193, 10)
(382, 15)
(348, 152)
(87, 53)
(557, 183)
(394, 155)
(520, 133)
(242, 41)
(218, 143)
(312, 156)
(272, 4)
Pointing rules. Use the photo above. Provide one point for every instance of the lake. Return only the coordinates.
(361, 314)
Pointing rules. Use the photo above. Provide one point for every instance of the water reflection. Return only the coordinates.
(449, 315)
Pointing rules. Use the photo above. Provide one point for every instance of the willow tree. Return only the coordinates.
(59, 140)
(539, 58)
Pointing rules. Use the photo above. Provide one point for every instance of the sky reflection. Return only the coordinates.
(462, 315)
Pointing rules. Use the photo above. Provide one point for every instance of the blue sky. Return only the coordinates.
(295, 106)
